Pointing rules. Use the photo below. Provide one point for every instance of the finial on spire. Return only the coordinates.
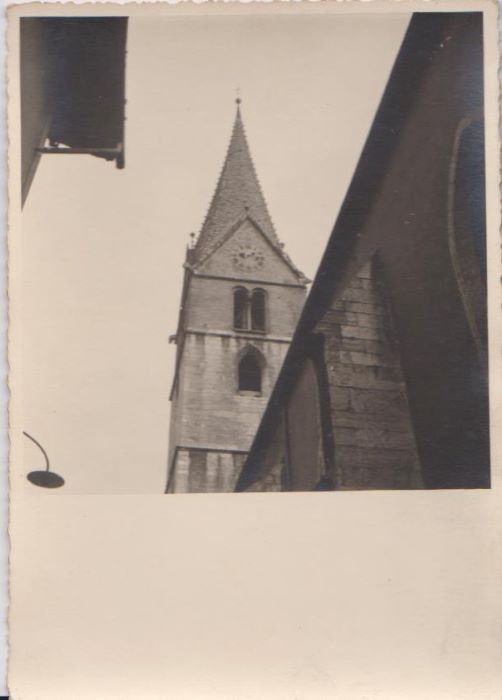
(238, 98)
(192, 239)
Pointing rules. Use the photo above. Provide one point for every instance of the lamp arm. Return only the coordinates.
(40, 447)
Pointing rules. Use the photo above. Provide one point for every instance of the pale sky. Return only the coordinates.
(103, 249)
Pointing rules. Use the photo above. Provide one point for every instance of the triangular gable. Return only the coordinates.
(245, 252)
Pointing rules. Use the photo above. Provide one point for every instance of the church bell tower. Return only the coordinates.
(241, 300)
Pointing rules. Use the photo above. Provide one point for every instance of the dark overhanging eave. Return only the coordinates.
(72, 89)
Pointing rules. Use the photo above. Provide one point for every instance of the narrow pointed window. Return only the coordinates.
(241, 309)
(258, 310)
(250, 373)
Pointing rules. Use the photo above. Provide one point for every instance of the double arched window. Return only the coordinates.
(250, 310)
(250, 370)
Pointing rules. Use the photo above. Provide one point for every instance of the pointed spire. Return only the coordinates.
(238, 194)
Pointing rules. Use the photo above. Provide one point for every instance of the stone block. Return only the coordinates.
(369, 285)
(350, 344)
(345, 436)
(367, 320)
(365, 272)
(364, 308)
(391, 403)
(347, 418)
(371, 459)
(330, 329)
(364, 377)
(336, 316)
(363, 345)
(383, 477)
(373, 437)
(366, 333)
(340, 398)
(356, 469)
(352, 294)
(366, 358)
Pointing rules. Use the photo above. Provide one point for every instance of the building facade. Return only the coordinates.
(241, 300)
(385, 385)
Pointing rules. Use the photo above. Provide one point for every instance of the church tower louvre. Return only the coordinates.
(241, 300)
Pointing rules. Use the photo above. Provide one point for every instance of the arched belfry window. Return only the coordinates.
(250, 312)
(241, 313)
(250, 371)
(258, 310)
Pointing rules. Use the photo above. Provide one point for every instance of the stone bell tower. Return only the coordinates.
(241, 300)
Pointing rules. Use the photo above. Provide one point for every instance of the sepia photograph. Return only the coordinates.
(254, 351)
(260, 279)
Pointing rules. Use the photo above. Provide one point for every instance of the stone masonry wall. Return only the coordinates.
(210, 412)
(210, 305)
(201, 471)
(372, 429)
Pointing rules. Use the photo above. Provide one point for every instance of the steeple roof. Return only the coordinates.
(238, 194)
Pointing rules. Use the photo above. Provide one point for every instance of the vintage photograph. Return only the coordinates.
(260, 266)
(254, 351)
